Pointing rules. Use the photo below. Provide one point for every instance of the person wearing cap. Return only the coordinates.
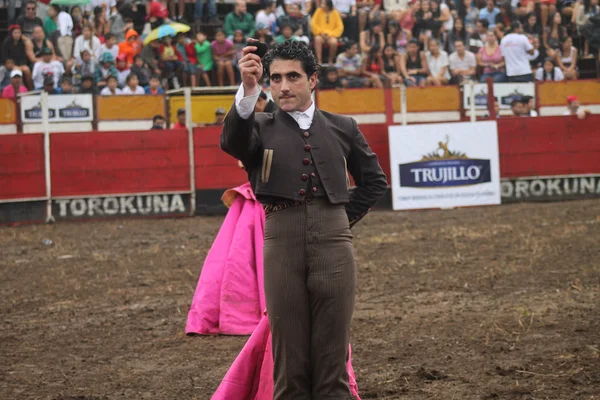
(131, 46)
(123, 70)
(263, 104)
(47, 67)
(105, 69)
(219, 116)
(15, 86)
(180, 124)
(574, 108)
(49, 85)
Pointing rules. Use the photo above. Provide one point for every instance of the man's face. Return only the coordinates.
(517, 108)
(47, 58)
(290, 86)
(219, 118)
(159, 122)
(480, 28)
(573, 106)
(352, 51)
(412, 48)
(491, 4)
(16, 80)
(30, 10)
(181, 118)
(87, 83)
(240, 7)
(294, 10)
(434, 46)
(38, 32)
(460, 47)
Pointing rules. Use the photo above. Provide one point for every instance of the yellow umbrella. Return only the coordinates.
(166, 30)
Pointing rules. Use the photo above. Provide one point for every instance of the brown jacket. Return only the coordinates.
(279, 157)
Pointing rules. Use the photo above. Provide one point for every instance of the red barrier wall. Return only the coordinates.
(119, 162)
(22, 166)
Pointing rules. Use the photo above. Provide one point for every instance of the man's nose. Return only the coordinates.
(285, 87)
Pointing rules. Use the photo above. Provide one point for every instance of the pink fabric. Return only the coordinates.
(251, 375)
(229, 298)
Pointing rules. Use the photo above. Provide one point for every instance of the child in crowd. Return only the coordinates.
(112, 86)
(204, 56)
(222, 49)
(170, 59)
(46, 67)
(109, 46)
(549, 72)
(331, 79)
(123, 70)
(5, 71)
(132, 86)
(105, 69)
(87, 85)
(189, 59)
(141, 71)
(83, 65)
(154, 86)
(66, 86)
(286, 34)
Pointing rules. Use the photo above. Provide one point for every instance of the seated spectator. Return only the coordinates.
(331, 79)
(266, 15)
(47, 67)
(87, 41)
(154, 86)
(506, 16)
(305, 6)
(391, 65)
(477, 39)
(187, 50)
(222, 50)
(123, 70)
(582, 12)
(437, 64)
(532, 25)
(66, 86)
(16, 85)
(395, 8)
(458, 32)
(536, 60)
(374, 68)
(327, 28)
(397, 37)
(529, 106)
(413, 65)
(51, 21)
(426, 24)
(566, 59)
(469, 14)
(105, 69)
(109, 46)
(491, 60)
(239, 42)
(14, 48)
(158, 122)
(240, 19)
(462, 63)
(112, 87)
(87, 85)
(352, 68)
(5, 73)
(131, 46)
(348, 13)
(180, 124)
(204, 56)
(297, 20)
(573, 108)
(372, 38)
(499, 30)
(100, 23)
(554, 35)
(286, 34)
(150, 55)
(29, 19)
(170, 60)
(549, 72)
(132, 86)
(34, 47)
(515, 48)
(83, 65)
(489, 13)
(141, 71)
(49, 85)
(516, 106)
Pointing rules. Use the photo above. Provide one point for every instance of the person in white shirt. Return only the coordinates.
(109, 46)
(515, 48)
(437, 61)
(573, 108)
(549, 72)
(462, 63)
(132, 86)
(47, 67)
(88, 41)
(266, 16)
(112, 87)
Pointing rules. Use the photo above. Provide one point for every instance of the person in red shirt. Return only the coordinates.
(16, 85)
(180, 124)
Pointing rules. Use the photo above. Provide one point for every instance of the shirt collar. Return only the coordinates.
(309, 113)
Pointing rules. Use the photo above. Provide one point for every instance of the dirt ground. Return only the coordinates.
(483, 303)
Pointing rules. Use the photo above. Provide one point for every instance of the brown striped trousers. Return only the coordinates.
(310, 284)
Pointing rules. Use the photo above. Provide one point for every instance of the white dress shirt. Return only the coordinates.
(245, 105)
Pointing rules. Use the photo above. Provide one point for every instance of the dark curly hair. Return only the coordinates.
(292, 50)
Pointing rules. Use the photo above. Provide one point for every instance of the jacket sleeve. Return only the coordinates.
(370, 180)
(338, 25)
(316, 22)
(240, 137)
(228, 25)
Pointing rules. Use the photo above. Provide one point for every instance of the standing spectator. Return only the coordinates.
(131, 46)
(491, 60)
(348, 13)
(489, 13)
(372, 39)
(154, 87)
(188, 59)
(132, 86)
(266, 16)
(66, 86)
(462, 63)
(180, 124)
(109, 46)
(212, 11)
(141, 71)
(112, 87)
(437, 63)
(549, 72)
(397, 37)
(14, 48)
(391, 65)
(327, 27)
(46, 67)
(515, 47)
(413, 65)
(204, 56)
(83, 66)
(240, 19)
(16, 85)
(123, 70)
(87, 41)
(222, 50)
(29, 19)
(477, 39)
(458, 32)
(566, 59)
(105, 69)
(469, 14)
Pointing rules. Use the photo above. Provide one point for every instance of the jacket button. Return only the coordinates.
(304, 177)
(306, 134)
(307, 147)
(314, 189)
(306, 161)
(301, 192)
(312, 174)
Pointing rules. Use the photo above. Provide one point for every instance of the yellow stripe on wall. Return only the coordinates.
(432, 98)
(8, 111)
(352, 101)
(203, 107)
(555, 93)
(112, 108)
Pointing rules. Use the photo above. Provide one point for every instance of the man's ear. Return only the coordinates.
(313, 79)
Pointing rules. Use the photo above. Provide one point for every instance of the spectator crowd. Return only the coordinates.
(100, 48)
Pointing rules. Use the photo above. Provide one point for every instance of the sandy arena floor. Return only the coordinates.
(483, 303)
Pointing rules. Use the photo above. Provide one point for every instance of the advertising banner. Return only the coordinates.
(444, 165)
(61, 108)
(547, 188)
(504, 93)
